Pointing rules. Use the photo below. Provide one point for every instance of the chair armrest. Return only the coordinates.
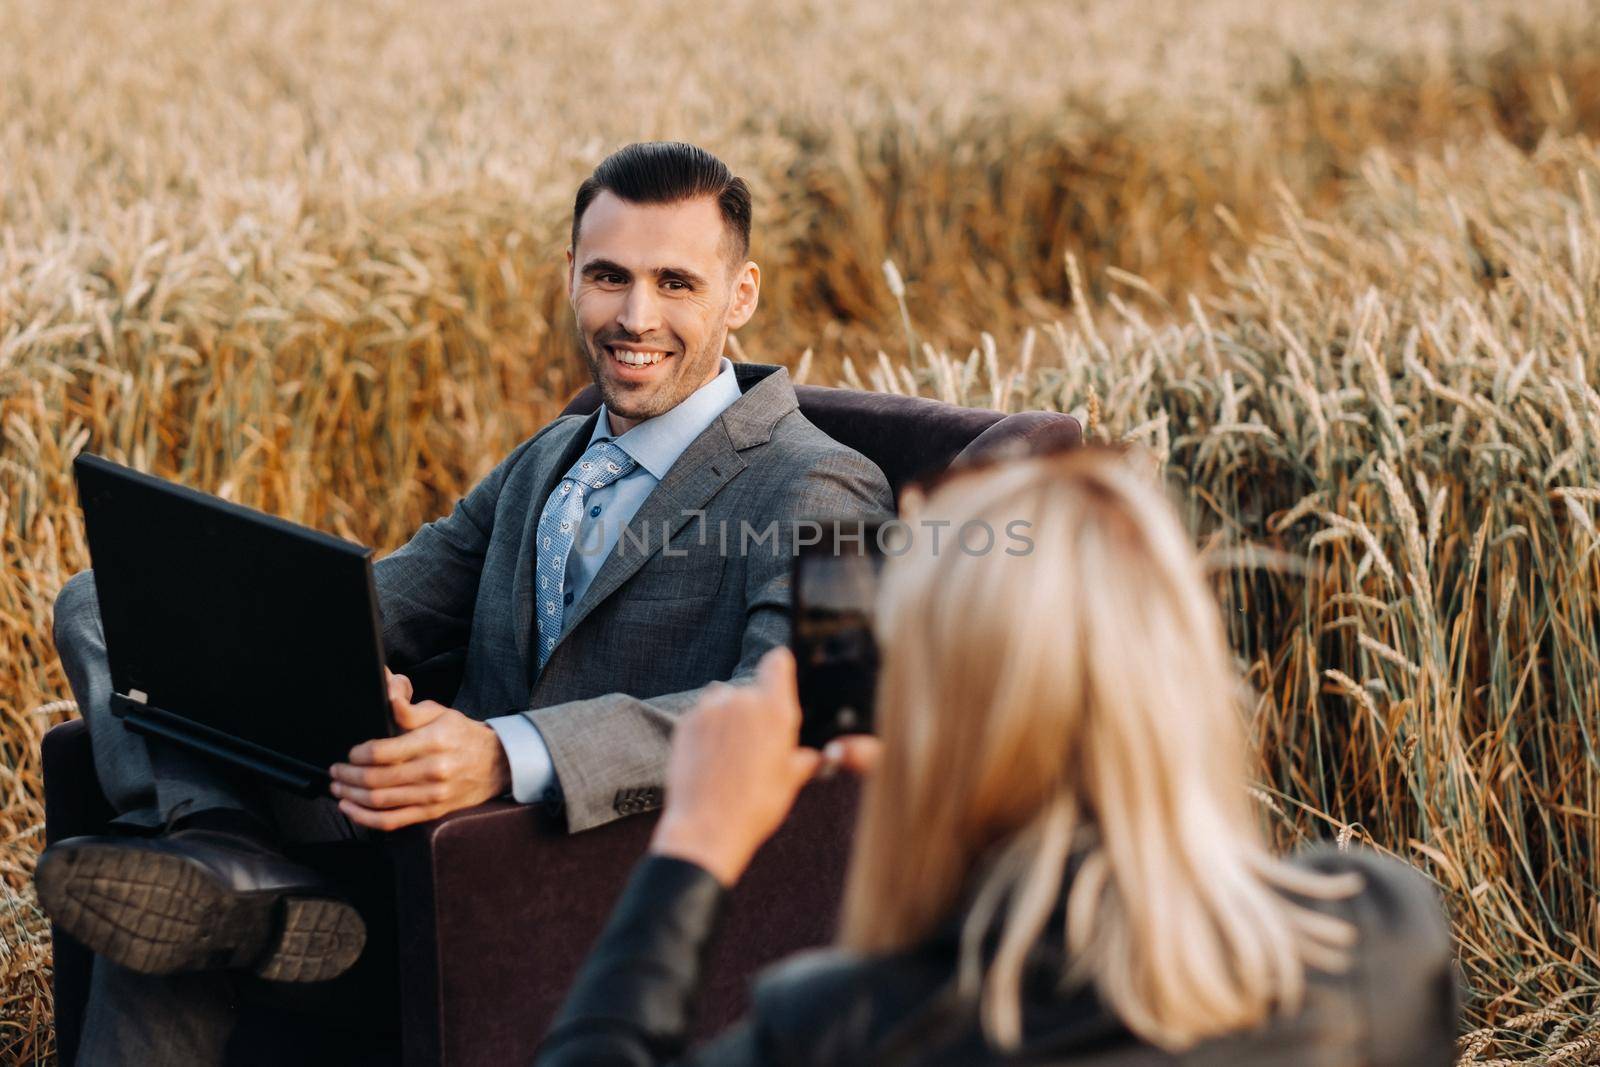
(1024, 433)
(498, 907)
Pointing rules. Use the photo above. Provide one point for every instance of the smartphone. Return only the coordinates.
(836, 655)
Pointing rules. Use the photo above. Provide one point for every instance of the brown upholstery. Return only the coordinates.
(482, 918)
(485, 1003)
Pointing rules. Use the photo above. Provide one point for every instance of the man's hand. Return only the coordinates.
(443, 762)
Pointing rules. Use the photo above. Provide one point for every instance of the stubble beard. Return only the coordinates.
(639, 404)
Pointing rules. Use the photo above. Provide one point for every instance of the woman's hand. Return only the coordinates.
(735, 769)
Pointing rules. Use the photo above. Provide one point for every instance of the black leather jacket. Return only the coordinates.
(1395, 1007)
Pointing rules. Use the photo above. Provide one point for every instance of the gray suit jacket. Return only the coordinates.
(695, 592)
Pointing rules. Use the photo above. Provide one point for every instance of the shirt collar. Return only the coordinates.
(656, 443)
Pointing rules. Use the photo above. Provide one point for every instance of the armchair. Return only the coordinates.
(478, 921)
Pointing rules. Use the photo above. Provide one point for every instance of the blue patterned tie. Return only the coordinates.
(603, 463)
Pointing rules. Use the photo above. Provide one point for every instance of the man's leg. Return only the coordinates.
(148, 783)
(141, 1019)
(215, 893)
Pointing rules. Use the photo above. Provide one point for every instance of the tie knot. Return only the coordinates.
(601, 464)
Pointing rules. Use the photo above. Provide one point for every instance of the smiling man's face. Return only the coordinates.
(655, 289)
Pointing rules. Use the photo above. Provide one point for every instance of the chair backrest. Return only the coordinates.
(909, 436)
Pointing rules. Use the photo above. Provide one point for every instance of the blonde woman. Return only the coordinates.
(1056, 859)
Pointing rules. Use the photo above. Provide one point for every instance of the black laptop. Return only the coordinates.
(231, 632)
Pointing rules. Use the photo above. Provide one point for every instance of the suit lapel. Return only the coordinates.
(709, 463)
(545, 479)
(706, 466)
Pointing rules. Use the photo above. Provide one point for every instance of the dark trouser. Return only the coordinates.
(149, 1019)
(142, 1019)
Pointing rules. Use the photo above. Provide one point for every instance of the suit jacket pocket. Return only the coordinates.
(698, 574)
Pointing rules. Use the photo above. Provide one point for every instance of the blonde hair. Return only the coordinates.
(1075, 701)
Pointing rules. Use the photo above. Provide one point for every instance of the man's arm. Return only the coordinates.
(427, 589)
(602, 744)
(446, 761)
(122, 763)
(428, 586)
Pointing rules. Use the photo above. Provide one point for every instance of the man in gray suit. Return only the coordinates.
(590, 587)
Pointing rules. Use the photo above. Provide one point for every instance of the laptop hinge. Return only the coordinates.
(289, 773)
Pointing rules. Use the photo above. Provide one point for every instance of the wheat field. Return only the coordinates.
(1337, 266)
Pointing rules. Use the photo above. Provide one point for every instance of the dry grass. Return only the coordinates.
(1403, 400)
(307, 256)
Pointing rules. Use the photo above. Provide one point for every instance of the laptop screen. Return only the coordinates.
(248, 624)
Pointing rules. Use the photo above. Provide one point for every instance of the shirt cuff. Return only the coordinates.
(533, 775)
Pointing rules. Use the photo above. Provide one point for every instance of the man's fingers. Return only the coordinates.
(391, 798)
(399, 686)
(402, 710)
(386, 820)
(409, 716)
(383, 776)
(398, 749)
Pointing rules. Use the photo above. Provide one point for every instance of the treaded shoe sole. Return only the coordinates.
(161, 913)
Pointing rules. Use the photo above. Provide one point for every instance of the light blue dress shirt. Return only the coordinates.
(655, 444)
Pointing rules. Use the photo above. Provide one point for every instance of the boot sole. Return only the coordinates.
(159, 913)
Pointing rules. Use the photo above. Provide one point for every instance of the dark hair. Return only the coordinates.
(666, 172)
